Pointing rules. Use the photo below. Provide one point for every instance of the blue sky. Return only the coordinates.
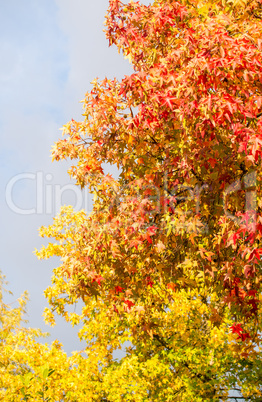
(50, 52)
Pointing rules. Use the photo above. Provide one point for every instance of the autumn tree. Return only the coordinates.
(31, 370)
(169, 258)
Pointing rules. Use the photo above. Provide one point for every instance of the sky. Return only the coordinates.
(50, 52)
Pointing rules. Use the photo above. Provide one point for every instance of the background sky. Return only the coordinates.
(50, 52)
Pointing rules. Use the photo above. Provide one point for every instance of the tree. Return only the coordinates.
(181, 225)
(33, 371)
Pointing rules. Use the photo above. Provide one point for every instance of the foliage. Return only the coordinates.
(170, 257)
(33, 371)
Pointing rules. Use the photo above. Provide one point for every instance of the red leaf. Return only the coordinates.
(149, 281)
(129, 303)
(118, 289)
(98, 279)
(237, 329)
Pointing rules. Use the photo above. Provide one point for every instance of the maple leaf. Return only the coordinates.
(129, 303)
(151, 230)
(237, 329)
(119, 289)
(171, 286)
(98, 279)
(160, 247)
(149, 281)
